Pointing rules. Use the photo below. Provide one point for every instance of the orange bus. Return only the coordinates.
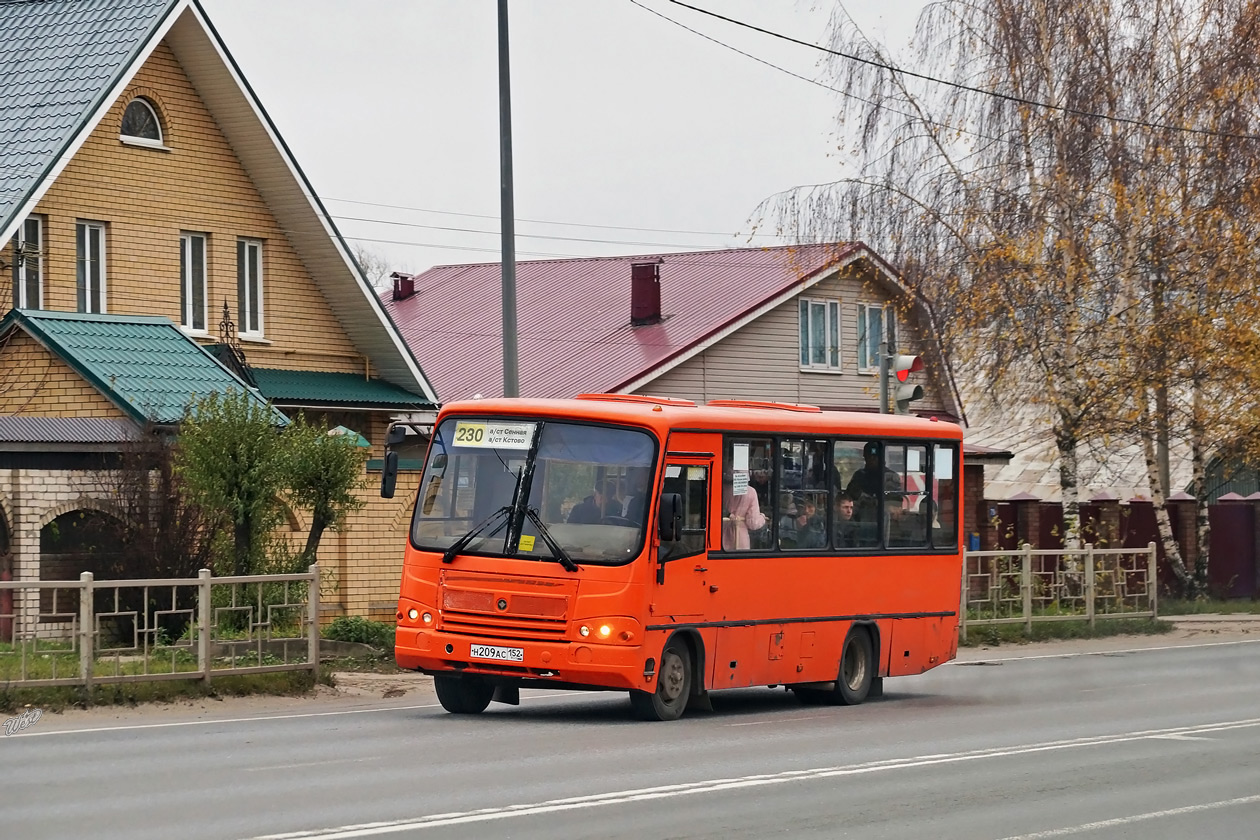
(668, 549)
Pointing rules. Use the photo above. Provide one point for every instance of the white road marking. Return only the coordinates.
(312, 764)
(1119, 821)
(295, 716)
(1182, 738)
(776, 720)
(348, 832)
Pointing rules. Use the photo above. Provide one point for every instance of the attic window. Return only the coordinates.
(140, 124)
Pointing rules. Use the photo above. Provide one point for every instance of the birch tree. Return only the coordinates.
(1070, 183)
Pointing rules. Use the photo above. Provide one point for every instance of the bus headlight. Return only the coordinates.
(609, 630)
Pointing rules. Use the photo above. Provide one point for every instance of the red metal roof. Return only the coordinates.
(573, 316)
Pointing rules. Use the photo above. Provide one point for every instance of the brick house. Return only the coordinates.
(160, 241)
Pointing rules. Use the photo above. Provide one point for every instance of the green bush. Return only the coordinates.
(354, 628)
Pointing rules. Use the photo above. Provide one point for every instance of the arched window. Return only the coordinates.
(140, 123)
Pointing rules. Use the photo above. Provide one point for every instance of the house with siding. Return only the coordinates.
(798, 324)
(161, 242)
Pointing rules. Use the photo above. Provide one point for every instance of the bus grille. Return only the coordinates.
(476, 613)
(514, 627)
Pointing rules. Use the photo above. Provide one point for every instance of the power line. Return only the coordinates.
(814, 82)
(518, 235)
(1018, 100)
(541, 221)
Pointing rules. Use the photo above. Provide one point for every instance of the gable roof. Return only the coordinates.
(571, 312)
(64, 63)
(145, 365)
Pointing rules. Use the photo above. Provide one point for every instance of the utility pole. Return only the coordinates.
(883, 377)
(507, 213)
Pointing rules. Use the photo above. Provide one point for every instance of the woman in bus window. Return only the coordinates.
(741, 513)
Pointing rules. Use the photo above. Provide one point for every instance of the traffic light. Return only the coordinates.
(906, 392)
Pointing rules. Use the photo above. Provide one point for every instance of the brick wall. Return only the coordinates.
(146, 197)
(35, 382)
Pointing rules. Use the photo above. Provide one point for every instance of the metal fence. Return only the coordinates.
(1027, 585)
(89, 631)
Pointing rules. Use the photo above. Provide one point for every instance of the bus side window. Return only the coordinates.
(905, 496)
(692, 483)
(748, 484)
(848, 460)
(945, 479)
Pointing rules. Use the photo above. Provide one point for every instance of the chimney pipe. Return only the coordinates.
(404, 285)
(645, 293)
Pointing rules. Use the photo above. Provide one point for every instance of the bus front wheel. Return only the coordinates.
(462, 695)
(673, 686)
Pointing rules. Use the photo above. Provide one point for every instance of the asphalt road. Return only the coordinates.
(1162, 742)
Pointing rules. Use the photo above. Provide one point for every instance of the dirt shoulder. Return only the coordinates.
(1187, 631)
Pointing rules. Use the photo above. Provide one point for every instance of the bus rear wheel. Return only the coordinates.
(673, 686)
(857, 669)
(462, 695)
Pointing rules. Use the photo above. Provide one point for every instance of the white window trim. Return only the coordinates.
(185, 282)
(888, 315)
(88, 227)
(20, 238)
(830, 340)
(260, 330)
(133, 140)
(144, 142)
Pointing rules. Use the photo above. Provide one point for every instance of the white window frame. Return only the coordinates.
(134, 140)
(83, 232)
(32, 265)
(188, 281)
(868, 356)
(831, 333)
(249, 300)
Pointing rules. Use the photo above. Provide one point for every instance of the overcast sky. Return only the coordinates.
(620, 118)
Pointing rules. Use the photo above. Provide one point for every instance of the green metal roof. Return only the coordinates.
(316, 388)
(144, 364)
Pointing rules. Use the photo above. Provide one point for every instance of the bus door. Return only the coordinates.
(679, 589)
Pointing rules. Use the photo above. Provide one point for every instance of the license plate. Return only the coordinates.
(505, 654)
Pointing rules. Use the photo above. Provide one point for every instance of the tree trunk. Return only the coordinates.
(1065, 439)
(1172, 551)
(243, 545)
(318, 525)
(1203, 528)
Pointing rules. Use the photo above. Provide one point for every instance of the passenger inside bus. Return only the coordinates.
(636, 497)
(741, 512)
(845, 527)
(590, 510)
(802, 526)
(869, 483)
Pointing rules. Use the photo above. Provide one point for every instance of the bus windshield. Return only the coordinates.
(535, 490)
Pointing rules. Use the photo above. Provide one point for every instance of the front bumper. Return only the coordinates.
(609, 666)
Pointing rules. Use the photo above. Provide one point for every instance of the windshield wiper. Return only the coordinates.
(556, 548)
(462, 543)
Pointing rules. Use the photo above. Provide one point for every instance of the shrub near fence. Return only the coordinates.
(88, 632)
(1028, 585)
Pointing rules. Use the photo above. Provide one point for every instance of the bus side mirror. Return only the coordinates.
(395, 436)
(669, 517)
(389, 475)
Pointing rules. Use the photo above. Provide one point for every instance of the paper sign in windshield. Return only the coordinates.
(497, 435)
